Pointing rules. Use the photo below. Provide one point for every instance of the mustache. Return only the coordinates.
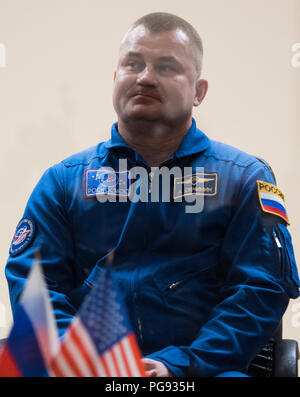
(147, 92)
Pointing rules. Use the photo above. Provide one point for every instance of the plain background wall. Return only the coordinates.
(56, 89)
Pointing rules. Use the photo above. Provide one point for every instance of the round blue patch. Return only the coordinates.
(23, 236)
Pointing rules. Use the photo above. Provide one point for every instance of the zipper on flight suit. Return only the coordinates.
(174, 285)
(136, 308)
(138, 320)
(151, 174)
(134, 282)
(279, 248)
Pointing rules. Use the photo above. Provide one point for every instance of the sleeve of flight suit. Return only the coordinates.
(48, 232)
(260, 276)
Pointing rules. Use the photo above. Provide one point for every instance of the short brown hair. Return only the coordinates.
(164, 22)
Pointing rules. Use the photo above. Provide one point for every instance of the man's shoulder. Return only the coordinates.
(86, 156)
(232, 155)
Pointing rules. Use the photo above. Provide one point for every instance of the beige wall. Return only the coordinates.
(55, 91)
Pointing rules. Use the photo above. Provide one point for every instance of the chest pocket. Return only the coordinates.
(187, 295)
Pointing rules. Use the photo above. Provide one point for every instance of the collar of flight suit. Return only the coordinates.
(195, 141)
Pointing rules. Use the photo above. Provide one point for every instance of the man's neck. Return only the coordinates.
(154, 142)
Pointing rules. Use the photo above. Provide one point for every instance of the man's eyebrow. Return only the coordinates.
(164, 58)
(134, 54)
(168, 59)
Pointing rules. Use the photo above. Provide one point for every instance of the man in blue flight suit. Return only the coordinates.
(206, 289)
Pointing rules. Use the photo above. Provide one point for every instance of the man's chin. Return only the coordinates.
(143, 116)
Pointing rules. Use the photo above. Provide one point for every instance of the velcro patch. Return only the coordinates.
(22, 237)
(106, 182)
(272, 200)
(198, 183)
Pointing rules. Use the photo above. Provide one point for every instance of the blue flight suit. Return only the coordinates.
(204, 291)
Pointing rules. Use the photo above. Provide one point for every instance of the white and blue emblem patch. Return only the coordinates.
(22, 237)
(106, 182)
(197, 183)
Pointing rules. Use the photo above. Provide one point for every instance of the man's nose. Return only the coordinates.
(147, 76)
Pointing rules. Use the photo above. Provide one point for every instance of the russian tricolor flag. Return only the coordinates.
(33, 339)
(274, 204)
(272, 199)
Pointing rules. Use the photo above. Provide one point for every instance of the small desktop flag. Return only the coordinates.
(99, 342)
(33, 338)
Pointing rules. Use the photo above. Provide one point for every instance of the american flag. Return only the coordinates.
(99, 341)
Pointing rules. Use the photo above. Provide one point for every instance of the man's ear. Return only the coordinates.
(115, 75)
(201, 90)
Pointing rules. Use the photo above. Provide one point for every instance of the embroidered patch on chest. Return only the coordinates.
(198, 183)
(22, 237)
(106, 182)
(272, 200)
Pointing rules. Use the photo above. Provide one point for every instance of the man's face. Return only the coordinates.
(156, 77)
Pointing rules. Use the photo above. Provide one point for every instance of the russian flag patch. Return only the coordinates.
(272, 200)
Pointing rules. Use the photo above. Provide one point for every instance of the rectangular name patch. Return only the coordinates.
(198, 183)
(272, 200)
(106, 182)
